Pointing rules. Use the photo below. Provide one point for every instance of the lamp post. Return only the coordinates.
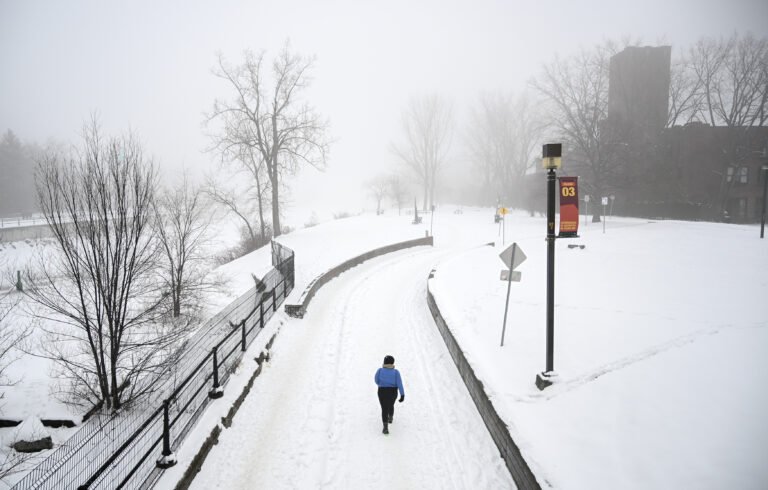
(764, 168)
(551, 160)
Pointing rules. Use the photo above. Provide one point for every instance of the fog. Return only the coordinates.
(146, 65)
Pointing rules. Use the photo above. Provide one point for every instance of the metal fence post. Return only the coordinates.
(168, 458)
(274, 299)
(242, 325)
(216, 391)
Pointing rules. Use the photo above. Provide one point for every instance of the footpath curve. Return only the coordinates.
(298, 309)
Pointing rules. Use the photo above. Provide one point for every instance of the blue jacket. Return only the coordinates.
(389, 378)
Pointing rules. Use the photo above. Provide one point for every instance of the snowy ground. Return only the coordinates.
(661, 340)
(661, 337)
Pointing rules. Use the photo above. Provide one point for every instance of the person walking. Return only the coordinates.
(388, 380)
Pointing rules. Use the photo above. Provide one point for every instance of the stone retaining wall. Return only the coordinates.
(518, 468)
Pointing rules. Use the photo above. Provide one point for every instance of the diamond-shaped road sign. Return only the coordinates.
(512, 256)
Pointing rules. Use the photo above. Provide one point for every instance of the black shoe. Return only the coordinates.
(389, 419)
(385, 431)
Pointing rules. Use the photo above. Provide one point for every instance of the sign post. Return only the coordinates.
(512, 257)
(586, 209)
(605, 203)
(503, 212)
(431, 220)
(610, 209)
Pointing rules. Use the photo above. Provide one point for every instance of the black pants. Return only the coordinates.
(387, 397)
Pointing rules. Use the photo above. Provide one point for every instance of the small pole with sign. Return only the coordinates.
(503, 213)
(586, 209)
(610, 209)
(431, 220)
(605, 203)
(512, 257)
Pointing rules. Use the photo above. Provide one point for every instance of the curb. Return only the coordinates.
(510, 452)
(297, 310)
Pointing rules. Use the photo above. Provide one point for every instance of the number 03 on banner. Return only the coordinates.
(569, 207)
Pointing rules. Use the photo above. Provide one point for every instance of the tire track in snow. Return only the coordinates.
(567, 385)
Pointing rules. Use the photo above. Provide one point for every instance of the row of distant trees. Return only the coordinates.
(719, 82)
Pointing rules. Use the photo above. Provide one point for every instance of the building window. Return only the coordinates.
(742, 174)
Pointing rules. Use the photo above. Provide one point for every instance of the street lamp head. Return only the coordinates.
(551, 156)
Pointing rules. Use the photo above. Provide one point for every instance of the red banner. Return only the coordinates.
(569, 206)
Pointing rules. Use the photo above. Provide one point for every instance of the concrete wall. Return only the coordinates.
(18, 233)
(518, 468)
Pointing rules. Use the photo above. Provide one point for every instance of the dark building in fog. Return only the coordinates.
(638, 90)
(694, 171)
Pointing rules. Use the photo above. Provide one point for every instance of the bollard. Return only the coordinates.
(19, 286)
(274, 300)
(261, 313)
(216, 391)
(168, 459)
(242, 326)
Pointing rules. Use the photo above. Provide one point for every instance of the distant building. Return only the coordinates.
(696, 171)
(638, 90)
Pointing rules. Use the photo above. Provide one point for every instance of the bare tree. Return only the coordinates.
(503, 133)
(183, 221)
(733, 78)
(284, 131)
(12, 343)
(97, 296)
(577, 89)
(428, 127)
(378, 187)
(12, 338)
(685, 94)
(397, 190)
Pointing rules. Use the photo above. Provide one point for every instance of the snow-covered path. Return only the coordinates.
(312, 419)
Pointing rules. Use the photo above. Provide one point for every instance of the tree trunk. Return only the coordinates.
(274, 179)
(115, 394)
(262, 225)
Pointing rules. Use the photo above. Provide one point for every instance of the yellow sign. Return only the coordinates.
(503, 211)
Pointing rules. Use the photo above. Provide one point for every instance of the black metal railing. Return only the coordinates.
(129, 449)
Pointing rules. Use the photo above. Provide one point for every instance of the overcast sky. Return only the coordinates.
(146, 65)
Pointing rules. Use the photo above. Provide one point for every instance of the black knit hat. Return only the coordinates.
(389, 360)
